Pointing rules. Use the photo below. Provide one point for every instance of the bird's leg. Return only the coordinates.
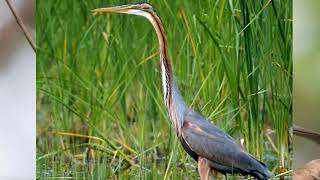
(203, 168)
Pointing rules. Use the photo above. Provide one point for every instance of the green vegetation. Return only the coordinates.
(100, 110)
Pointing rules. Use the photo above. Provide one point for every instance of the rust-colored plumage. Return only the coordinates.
(210, 146)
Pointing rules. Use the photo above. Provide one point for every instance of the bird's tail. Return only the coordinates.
(259, 170)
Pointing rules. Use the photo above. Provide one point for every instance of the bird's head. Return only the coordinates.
(139, 9)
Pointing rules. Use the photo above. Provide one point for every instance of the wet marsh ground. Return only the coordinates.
(100, 110)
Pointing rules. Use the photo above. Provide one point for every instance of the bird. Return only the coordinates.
(210, 146)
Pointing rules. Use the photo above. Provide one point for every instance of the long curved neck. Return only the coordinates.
(173, 100)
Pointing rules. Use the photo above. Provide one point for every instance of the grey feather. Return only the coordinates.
(212, 143)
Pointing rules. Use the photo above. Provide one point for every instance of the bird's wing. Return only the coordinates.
(214, 144)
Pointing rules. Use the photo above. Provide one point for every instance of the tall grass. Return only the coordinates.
(100, 111)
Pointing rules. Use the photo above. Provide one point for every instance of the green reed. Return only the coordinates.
(99, 76)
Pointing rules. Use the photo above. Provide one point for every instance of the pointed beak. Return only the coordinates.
(116, 9)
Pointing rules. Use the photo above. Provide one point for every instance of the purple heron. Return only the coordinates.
(210, 146)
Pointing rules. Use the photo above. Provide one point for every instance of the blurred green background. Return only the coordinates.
(100, 111)
(306, 86)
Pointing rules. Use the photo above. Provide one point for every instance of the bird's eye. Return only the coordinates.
(146, 6)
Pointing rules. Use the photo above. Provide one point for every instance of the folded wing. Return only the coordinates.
(212, 143)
